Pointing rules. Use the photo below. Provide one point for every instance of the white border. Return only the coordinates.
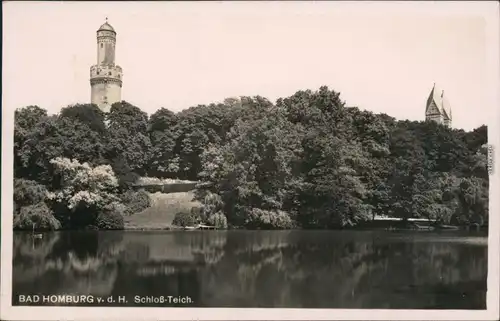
(486, 9)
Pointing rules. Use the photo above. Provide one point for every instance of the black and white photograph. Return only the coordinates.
(275, 160)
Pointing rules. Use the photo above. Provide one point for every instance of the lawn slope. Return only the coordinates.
(162, 211)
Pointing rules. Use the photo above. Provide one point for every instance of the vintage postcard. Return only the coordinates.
(250, 160)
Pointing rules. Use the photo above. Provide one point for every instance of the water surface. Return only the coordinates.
(284, 269)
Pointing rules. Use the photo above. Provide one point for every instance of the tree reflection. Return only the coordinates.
(292, 269)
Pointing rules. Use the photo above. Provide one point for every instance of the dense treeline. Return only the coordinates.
(307, 161)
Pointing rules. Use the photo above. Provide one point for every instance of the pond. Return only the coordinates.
(282, 269)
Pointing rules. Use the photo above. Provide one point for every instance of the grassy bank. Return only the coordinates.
(162, 211)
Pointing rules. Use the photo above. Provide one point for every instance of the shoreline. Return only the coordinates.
(182, 229)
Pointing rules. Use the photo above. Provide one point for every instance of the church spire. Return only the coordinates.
(438, 108)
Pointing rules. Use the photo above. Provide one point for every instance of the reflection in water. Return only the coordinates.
(287, 269)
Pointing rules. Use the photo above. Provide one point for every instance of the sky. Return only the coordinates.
(381, 57)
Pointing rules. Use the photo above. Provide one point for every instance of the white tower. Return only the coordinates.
(105, 76)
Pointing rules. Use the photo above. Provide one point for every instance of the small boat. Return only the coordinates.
(38, 235)
(190, 228)
(447, 227)
(206, 227)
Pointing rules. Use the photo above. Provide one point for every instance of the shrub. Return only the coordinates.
(115, 207)
(135, 201)
(111, 218)
(126, 177)
(82, 185)
(184, 219)
(38, 215)
(28, 192)
(211, 204)
(269, 219)
(218, 220)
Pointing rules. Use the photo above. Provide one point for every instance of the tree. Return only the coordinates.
(58, 137)
(25, 119)
(88, 114)
(308, 161)
(254, 168)
(473, 200)
(128, 138)
(218, 220)
(30, 209)
(196, 128)
(37, 216)
(162, 120)
(28, 192)
(125, 115)
(333, 194)
(162, 133)
(84, 191)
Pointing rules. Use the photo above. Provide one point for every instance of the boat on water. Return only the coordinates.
(199, 227)
(447, 227)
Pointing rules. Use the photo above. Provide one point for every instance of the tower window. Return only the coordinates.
(101, 44)
(110, 73)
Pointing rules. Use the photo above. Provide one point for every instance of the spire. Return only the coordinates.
(432, 96)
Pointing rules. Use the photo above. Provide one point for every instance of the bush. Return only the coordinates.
(28, 192)
(111, 218)
(115, 207)
(185, 219)
(218, 220)
(39, 215)
(126, 177)
(211, 204)
(258, 218)
(110, 221)
(135, 201)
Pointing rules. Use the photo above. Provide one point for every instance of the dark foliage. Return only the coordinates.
(110, 220)
(308, 161)
(37, 216)
(135, 201)
(90, 115)
(185, 219)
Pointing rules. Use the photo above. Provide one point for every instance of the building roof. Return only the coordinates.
(446, 106)
(106, 27)
(437, 96)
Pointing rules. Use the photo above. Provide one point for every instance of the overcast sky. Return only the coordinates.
(381, 57)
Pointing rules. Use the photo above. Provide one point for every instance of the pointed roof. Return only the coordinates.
(446, 106)
(106, 27)
(431, 97)
(437, 96)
